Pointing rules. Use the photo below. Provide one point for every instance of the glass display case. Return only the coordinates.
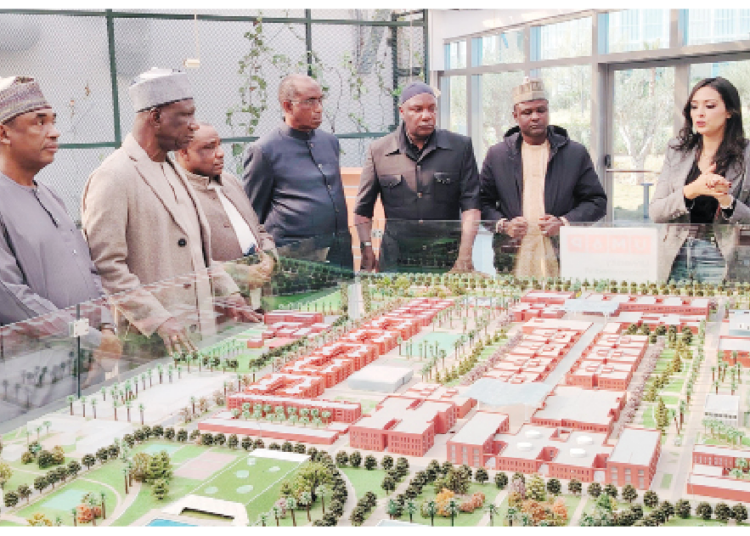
(245, 408)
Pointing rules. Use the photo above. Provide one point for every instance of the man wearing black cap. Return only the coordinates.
(421, 174)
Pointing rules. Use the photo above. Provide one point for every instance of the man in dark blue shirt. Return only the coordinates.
(293, 179)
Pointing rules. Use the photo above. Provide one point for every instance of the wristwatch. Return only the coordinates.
(363, 245)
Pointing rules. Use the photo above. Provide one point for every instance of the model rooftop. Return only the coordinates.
(581, 405)
(635, 446)
(722, 403)
(581, 448)
(482, 425)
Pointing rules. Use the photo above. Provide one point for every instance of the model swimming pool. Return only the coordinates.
(168, 523)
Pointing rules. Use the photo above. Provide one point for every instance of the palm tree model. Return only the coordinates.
(432, 510)
(125, 474)
(322, 492)
(453, 509)
(492, 510)
(291, 504)
(142, 409)
(276, 509)
(305, 499)
(411, 509)
(104, 508)
(392, 508)
(263, 517)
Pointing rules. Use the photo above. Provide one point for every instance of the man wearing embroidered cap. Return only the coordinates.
(45, 264)
(426, 178)
(144, 224)
(534, 181)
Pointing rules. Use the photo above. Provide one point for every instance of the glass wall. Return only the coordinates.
(458, 121)
(506, 47)
(617, 81)
(569, 90)
(635, 29)
(737, 72)
(455, 55)
(717, 25)
(497, 106)
(642, 125)
(567, 39)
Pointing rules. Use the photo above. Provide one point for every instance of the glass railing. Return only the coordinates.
(62, 361)
(51, 363)
(639, 252)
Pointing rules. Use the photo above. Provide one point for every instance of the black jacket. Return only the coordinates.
(571, 188)
(440, 185)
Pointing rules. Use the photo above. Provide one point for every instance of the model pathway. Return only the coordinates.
(575, 518)
(693, 423)
(118, 509)
(349, 505)
(485, 521)
(379, 512)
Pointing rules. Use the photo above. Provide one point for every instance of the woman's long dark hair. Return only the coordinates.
(732, 147)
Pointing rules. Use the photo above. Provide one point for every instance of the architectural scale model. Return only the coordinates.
(448, 400)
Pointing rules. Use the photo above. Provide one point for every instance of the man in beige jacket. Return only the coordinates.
(145, 226)
(235, 230)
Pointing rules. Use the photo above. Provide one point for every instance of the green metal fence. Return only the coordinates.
(85, 61)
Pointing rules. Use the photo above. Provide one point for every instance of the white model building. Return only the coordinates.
(725, 408)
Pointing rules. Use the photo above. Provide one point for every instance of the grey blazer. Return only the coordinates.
(668, 206)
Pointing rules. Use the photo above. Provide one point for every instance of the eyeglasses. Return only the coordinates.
(309, 103)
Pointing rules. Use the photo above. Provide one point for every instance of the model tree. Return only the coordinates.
(10, 499)
(611, 490)
(629, 493)
(5, 473)
(575, 487)
(553, 486)
(722, 512)
(388, 484)
(160, 489)
(501, 480)
(24, 492)
(88, 460)
(370, 462)
(481, 475)
(650, 499)
(682, 508)
(73, 468)
(739, 512)
(40, 483)
(387, 462)
(535, 488)
(594, 489)
(342, 458)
